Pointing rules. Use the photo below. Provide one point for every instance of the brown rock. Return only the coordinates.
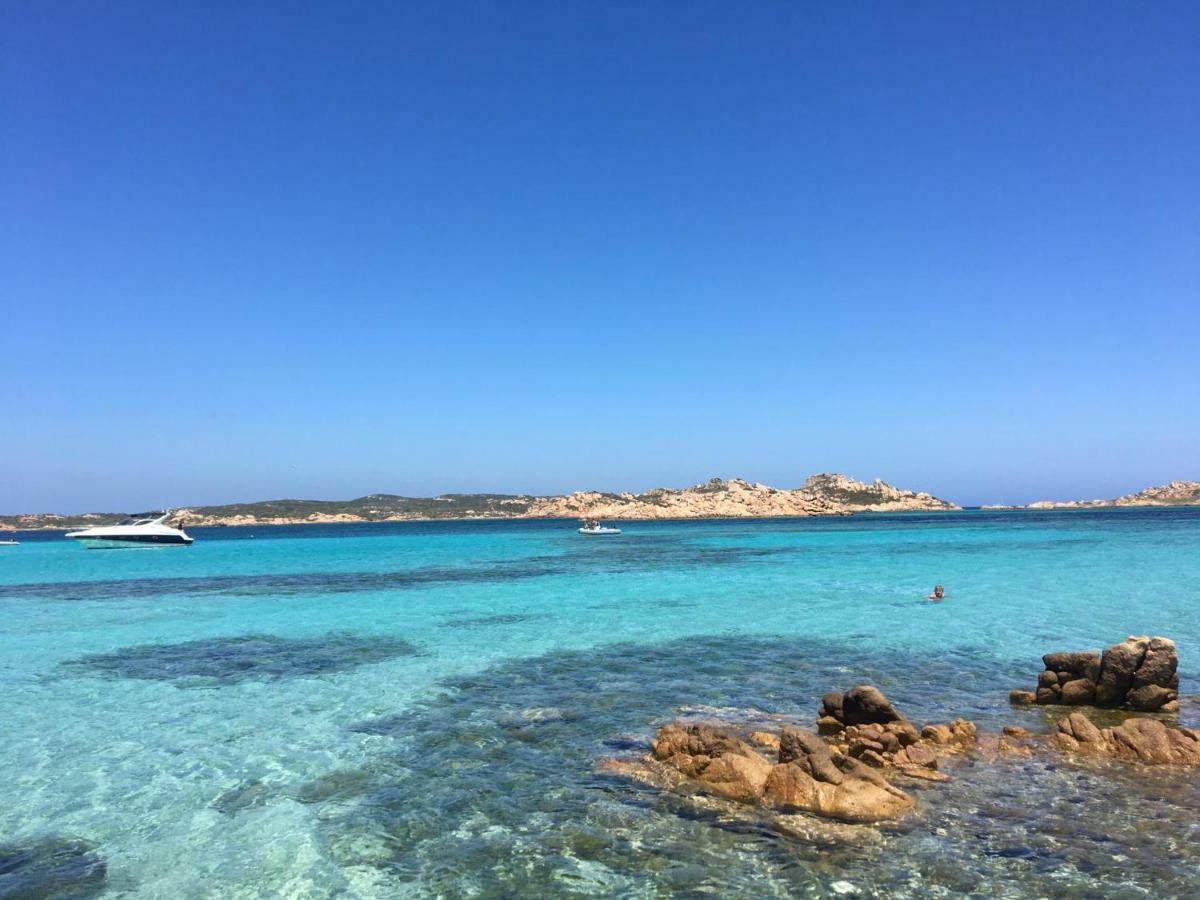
(864, 704)
(1085, 663)
(764, 739)
(790, 785)
(1066, 742)
(963, 733)
(1047, 679)
(1150, 741)
(923, 774)
(697, 740)
(937, 734)
(1080, 728)
(864, 745)
(1117, 667)
(831, 705)
(856, 799)
(1079, 692)
(1045, 695)
(1007, 748)
(737, 777)
(810, 753)
(920, 755)
(1022, 698)
(890, 742)
(1159, 665)
(1149, 697)
(905, 731)
(725, 764)
(1016, 731)
(873, 759)
(829, 725)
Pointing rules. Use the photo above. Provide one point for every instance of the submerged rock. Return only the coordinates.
(340, 784)
(246, 795)
(247, 657)
(54, 868)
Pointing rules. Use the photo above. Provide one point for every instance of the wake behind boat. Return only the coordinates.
(593, 526)
(149, 532)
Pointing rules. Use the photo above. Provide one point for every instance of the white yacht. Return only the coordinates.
(593, 526)
(132, 533)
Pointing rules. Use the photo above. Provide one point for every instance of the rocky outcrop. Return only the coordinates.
(864, 725)
(806, 775)
(723, 763)
(1139, 740)
(877, 496)
(1177, 493)
(821, 495)
(1139, 674)
(809, 777)
(862, 705)
(845, 772)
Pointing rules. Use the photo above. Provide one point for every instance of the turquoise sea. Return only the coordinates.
(419, 709)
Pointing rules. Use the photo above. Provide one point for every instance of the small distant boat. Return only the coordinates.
(593, 526)
(149, 532)
(9, 543)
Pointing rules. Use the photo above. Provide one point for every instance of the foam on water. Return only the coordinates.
(376, 710)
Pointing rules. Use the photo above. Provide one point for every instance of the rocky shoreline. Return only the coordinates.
(845, 770)
(1175, 493)
(820, 495)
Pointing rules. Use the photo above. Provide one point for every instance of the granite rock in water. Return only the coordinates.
(862, 705)
(723, 763)
(863, 725)
(808, 776)
(1139, 673)
(1140, 740)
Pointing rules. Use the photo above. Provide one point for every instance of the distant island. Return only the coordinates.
(1177, 493)
(820, 495)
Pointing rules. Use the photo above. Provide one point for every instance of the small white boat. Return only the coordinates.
(9, 543)
(132, 533)
(594, 527)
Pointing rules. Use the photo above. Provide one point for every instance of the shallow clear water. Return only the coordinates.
(395, 710)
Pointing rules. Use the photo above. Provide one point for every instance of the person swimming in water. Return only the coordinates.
(939, 593)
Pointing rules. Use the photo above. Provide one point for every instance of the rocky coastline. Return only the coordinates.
(820, 495)
(827, 494)
(1175, 493)
(856, 765)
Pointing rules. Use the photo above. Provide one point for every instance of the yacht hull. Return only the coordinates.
(131, 541)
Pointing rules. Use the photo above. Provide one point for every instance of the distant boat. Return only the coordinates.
(593, 526)
(9, 543)
(148, 532)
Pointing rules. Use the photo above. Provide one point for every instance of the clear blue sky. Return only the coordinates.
(295, 249)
